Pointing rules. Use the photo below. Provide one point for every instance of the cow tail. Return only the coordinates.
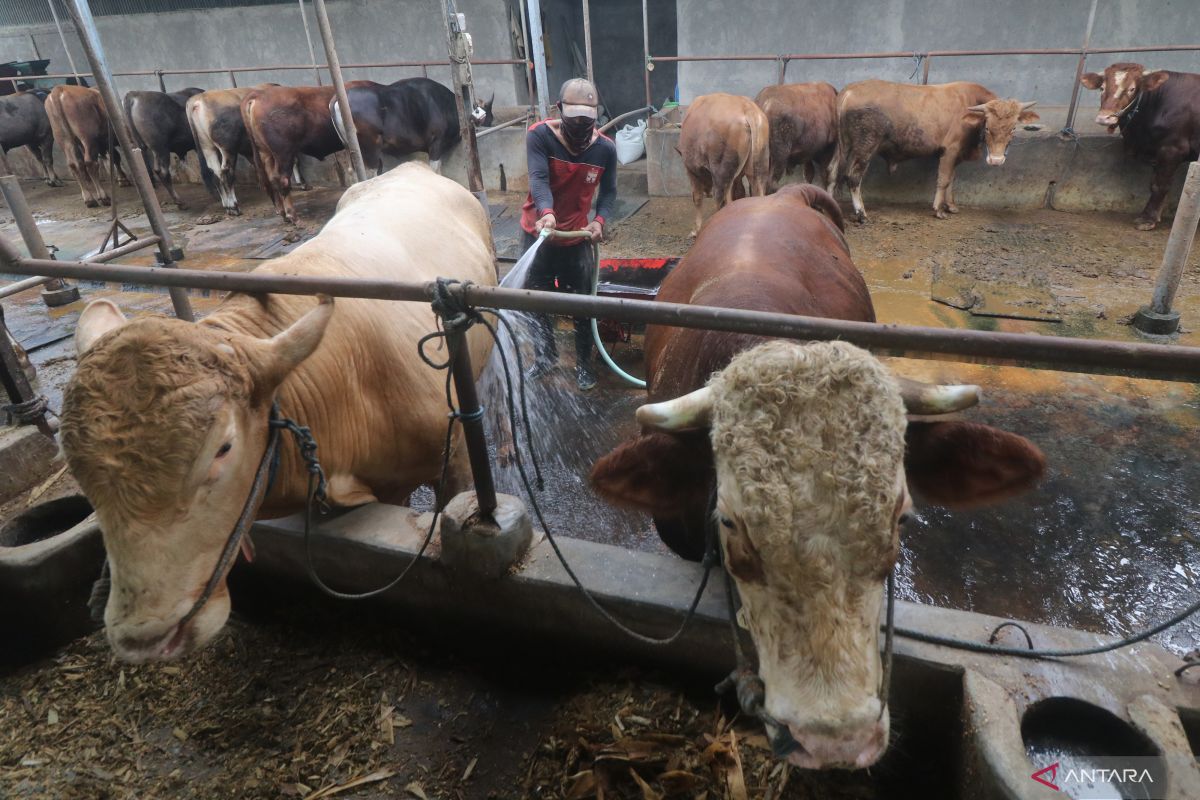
(741, 172)
(129, 104)
(203, 143)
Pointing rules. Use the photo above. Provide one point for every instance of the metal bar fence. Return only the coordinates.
(1131, 359)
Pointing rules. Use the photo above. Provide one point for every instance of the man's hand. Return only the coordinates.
(596, 230)
(546, 221)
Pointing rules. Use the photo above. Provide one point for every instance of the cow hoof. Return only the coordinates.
(953, 209)
(91, 203)
(940, 214)
(860, 217)
(107, 201)
(54, 184)
(233, 212)
(693, 233)
(1146, 224)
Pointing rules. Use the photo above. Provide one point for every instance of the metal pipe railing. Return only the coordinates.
(1132, 359)
(135, 73)
(514, 121)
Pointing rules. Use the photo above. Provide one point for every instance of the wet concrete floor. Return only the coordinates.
(1109, 540)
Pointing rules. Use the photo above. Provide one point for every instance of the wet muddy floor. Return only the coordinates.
(1108, 542)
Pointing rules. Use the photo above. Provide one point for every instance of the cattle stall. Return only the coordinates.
(486, 675)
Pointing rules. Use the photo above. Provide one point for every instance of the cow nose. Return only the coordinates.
(995, 161)
(855, 748)
(1106, 119)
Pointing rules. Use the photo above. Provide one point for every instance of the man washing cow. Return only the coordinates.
(568, 160)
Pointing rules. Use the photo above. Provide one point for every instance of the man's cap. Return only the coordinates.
(579, 98)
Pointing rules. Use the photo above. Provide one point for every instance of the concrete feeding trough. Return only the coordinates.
(984, 721)
(50, 553)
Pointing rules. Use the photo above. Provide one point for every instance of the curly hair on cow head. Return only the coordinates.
(811, 437)
(138, 407)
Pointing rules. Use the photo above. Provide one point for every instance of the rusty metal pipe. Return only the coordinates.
(85, 26)
(123, 250)
(587, 40)
(648, 65)
(1087, 39)
(1133, 359)
(502, 125)
(471, 417)
(14, 198)
(612, 123)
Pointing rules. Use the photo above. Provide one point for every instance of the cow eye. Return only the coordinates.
(225, 448)
(727, 522)
(904, 518)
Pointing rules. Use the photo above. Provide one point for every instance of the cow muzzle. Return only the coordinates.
(856, 747)
(1107, 120)
(142, 643)
(995, 160)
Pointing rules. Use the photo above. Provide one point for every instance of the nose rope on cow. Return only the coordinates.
(751, 690)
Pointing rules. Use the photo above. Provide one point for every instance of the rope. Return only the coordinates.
(710, 544)
(27, 413)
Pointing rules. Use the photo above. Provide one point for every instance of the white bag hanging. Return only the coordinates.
(631, 142)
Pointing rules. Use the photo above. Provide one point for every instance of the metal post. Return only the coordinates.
(587, 40)
(646, 49)
(783, 65)
(85, 26)
(13, 379)
(55, 292)
(460, 73)
(1158, 318)
(63, 39)
(33, 43)
(339, 88)
(232, 79)
(1087, 40)
(471, 417)
(162, 85)
(312, 54)
(925, 70)
(525, 37)
(539, 58)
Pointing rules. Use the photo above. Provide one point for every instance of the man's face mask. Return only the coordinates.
(577, 131)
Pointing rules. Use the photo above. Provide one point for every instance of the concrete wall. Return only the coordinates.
(716, 27)
(365, 30)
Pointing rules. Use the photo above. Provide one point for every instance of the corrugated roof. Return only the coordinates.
(36, 12)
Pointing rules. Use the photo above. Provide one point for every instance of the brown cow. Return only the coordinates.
(282, 123)
(81, 130)
(724, 139)
(807, 451)
(899, 121)
(1158, 114)
(802, 118)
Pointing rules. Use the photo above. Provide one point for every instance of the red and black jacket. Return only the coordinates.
(565, 182)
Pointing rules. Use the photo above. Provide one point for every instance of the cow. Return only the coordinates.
(81, 129)
(1158, 114)
(215, 118)
(23, 123)
(164, 422)
(282, 123)
(802, 119)
(412, 115)
(899, 121)
(723, 140)
(160, 127)
(802, 456)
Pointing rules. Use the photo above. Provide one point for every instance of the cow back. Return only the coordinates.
(784, 253)
(1167, 117)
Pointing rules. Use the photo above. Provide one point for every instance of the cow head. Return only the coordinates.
(1120, 86)
(999, 118)
(809, 448)
(164, 426)
(483, 113)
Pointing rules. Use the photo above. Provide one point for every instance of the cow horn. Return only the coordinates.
(931, 399)
(979, 108)
(1029, 105)
(691, 412)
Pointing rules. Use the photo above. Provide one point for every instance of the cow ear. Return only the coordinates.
(965, 464)
(275, 358)
(1028, 116)
(664, 474)
(1153, 80)
(100, 317)
(1091, 80)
